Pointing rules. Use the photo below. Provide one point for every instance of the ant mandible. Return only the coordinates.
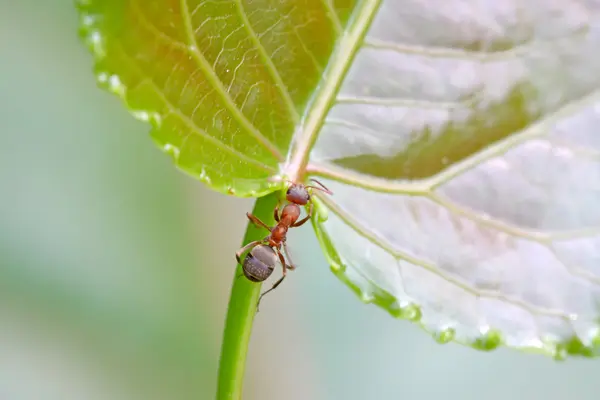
(260, 262)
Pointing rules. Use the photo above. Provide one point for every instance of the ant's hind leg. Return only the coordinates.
(247, 247)
(278, 281)
(258, 222)
(303, 220)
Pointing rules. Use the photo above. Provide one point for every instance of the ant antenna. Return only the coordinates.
(322, 187)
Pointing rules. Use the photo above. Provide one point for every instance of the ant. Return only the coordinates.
(260, 262)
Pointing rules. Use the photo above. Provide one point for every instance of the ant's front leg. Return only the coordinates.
(276, 212)
(303, 220)
(258, 222)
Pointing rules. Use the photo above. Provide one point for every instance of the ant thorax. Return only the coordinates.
(290, 213)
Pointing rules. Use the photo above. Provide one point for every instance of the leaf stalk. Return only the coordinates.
(240, 313)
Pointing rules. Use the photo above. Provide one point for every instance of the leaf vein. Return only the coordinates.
(534, 131)
(544, 239)
(270, 65)
(481, 56)
(191, 124)
(210, 74)
(306, 49)
(414, 189)
(579, 151)
(333, 17)
(217, 84)
(328, 170)
(380, 242)
(407, 103)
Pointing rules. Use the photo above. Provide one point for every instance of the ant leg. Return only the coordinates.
(276, 213)
(291, 266)
(258, 222)
(247, 247)
(278, 281)
(303, 220)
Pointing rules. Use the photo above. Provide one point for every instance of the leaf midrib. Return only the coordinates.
(341, 60)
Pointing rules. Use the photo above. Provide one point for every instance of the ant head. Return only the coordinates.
(299, 194)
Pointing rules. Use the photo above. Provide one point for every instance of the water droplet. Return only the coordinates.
(489, 340)
(172, 150)
(141, 115)
(444, 335)
(115, 85)
(202, 175)
(411, 312)
(155, 119)
(560, 352)
(367, 297)
(102, 78)
(95, 37)
(87, 20)
(94, 41)
(335, 267)
(595, 337)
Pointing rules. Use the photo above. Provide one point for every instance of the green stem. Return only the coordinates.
(240, 313)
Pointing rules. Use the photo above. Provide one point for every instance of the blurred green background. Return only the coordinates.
(115, 268)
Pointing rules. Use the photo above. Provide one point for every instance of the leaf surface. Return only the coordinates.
(460, 139)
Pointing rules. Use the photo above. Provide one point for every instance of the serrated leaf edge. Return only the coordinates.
(93, 38)
(490, 338)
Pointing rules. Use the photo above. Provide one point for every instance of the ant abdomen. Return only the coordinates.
(260, 263)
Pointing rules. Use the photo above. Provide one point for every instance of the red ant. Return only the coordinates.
(260, 262)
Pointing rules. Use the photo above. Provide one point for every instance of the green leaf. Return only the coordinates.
(460, 140)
